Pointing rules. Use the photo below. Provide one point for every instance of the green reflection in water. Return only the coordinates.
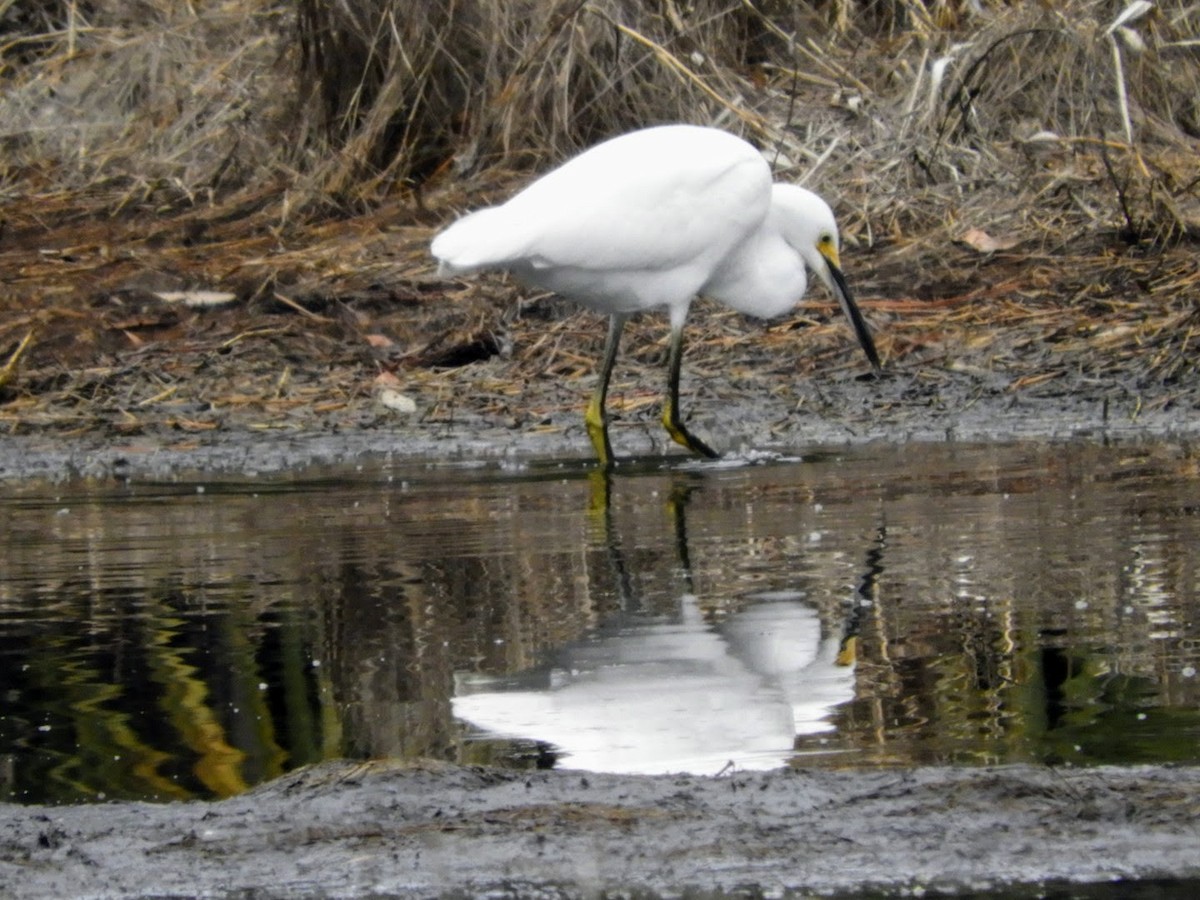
(138, 701)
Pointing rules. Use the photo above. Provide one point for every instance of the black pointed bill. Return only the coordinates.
(837, 283)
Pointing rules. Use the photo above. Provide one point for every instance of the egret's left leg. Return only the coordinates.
(670, 413)
(596, 417)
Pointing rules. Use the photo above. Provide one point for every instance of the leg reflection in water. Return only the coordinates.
(655, 694)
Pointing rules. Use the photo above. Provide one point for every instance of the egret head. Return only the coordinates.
(808, 226)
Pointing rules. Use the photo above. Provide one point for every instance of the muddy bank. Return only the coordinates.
(381, 830)
(1092, 342)
(791, 418)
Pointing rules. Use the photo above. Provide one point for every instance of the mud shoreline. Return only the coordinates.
(827, 415)
(431, 830)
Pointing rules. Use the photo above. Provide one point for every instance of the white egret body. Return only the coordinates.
(650, 220)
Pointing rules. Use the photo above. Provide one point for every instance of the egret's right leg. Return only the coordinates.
(595, 417)
(670, 415)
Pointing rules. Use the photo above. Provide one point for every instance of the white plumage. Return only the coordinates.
(650, 220)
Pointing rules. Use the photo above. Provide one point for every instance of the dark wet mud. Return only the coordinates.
(899, 407)
(380, 830)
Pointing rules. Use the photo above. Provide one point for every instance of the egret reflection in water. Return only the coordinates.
(684, 696)
(649, 696)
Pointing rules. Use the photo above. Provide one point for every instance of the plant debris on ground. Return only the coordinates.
(217, 217)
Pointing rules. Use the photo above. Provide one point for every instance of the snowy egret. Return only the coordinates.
(652, 219)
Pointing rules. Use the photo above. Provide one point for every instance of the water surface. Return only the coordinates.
(922, 604)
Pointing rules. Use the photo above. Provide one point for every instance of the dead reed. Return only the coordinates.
(298, 155)
(155, 105)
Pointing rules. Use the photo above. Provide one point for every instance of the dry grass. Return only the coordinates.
(158, 106)
(1020, 184)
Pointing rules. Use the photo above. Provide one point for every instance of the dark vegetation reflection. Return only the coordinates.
(989, 605)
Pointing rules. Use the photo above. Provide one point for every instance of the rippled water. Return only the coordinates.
(922, 604)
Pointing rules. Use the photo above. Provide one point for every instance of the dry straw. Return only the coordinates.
(305, 150)
(347, 102)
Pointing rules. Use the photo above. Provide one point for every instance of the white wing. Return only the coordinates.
(647, 201)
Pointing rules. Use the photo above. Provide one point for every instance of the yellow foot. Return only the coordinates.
(597, 428)
(680, 435)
